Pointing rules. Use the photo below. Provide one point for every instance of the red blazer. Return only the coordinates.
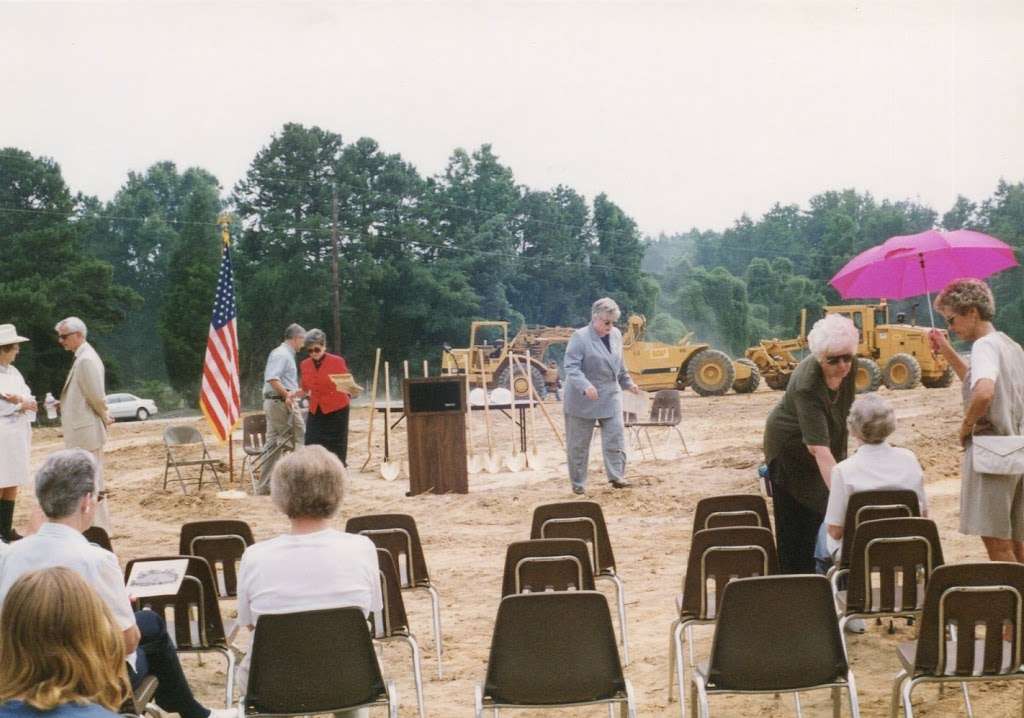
(323, 395)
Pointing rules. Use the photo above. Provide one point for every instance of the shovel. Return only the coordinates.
(373, 412)
(491, 462)
(533, 457)
(515, 462)
(389, 469)
(474, 463)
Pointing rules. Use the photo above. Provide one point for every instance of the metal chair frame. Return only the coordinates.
(660, 417)
(718, 514)
(548, 559)
(202, 463)
(607, 574)
(904, 684)
(403, 634)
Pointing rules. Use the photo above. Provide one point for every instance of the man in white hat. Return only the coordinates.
(83, 403)
(17, 412)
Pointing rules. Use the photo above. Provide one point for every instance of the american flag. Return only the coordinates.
(219, 397)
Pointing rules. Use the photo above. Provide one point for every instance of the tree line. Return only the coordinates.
(419, 256)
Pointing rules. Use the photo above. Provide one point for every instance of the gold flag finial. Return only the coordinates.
(224, 220)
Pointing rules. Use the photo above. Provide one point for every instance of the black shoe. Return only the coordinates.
(620, 484)
(578, 490)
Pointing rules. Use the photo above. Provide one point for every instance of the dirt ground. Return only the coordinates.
(650, 525)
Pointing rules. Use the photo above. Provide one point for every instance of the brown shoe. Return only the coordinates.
(578, 490)
(620, 484)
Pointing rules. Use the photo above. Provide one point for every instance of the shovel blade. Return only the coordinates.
(390, 470)
(515, 463)
(474, 464)
(535, 461)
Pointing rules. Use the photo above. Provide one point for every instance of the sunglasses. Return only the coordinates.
(315, 350)
(950, 319)
(845, 358)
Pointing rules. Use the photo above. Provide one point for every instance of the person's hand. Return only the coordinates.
(965, 433)
(108, 419)
(938, 341)
(12, 398)
(591, 393)
(634, 389)
(29, 405)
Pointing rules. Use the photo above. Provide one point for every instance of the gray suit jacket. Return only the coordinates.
(589, 363)
(83, 403)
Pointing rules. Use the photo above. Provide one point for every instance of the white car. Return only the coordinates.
(129, 406)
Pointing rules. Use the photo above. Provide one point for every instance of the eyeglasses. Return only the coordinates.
(315, 350)
(62, 337)
(950, 319)
(101, 496)
(845, 358)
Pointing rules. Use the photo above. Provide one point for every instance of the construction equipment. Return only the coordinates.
(657, 365)
(898, 355)
(486, 359)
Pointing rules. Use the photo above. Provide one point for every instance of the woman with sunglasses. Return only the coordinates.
(991, 505)
(327, 423)
(17, 412)
(806, 435)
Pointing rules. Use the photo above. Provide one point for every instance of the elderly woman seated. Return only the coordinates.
(313, 566)
(876, 466)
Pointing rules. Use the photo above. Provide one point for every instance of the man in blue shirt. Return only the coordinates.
(280, 394)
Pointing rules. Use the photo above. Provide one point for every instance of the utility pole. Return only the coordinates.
(335, 285)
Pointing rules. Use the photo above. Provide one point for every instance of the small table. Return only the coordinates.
(520, 405)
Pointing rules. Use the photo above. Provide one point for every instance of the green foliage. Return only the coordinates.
(665, 328)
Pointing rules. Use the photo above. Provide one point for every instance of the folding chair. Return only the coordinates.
(254, 436)
(221, 542)
(717, 556)
(185, 440)
(196, 596)
(868, 506)
(584, 520)
(554, 649)
(890, 563)
(394, 625)
(398, 535)
(775, 634)
(547, 565)
(315, 662)
(99, 536)
(140, 700)
(731, 510)
(666, 411)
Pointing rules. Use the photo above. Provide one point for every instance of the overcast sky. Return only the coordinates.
(686, 114)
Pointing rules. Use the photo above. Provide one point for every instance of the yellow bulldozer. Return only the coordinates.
(898, 355)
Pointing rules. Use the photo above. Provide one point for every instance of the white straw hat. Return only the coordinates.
(9, 335)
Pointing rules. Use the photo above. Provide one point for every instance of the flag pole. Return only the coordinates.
(225, 237)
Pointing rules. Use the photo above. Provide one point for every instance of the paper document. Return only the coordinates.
(157, 578)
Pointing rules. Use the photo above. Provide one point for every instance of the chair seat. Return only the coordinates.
(908, 653)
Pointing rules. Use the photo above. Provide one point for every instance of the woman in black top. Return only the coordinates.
(806, 435)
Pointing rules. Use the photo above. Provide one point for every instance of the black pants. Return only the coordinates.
(157, 656)
(329, 431)
(796, 532)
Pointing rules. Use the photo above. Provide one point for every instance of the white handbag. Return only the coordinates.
(1001, 455)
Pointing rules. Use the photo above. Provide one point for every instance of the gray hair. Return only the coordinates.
(293, 330)
(833, 334)
(961, 295)
(64, 478)
(314, 337)
(872, 419)
(73, 325)
(308, 483)
(605, 307)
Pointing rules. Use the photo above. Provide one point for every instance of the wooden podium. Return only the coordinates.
(436, 432)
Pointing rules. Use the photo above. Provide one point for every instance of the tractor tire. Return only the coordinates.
(778, 381)
(520, 383)
(869, 376)
(710, 373)
(942, 381)
(746, 386)
(902, 372)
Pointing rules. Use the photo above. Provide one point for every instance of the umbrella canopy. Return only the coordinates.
(914, 264)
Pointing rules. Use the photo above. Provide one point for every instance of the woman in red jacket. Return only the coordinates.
(327, 424)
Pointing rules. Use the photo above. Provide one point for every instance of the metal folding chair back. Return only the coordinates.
(197, 596)
(584, 520)
(254, 436)
(397, 534)
(547, 565)
(871, 505)
(554, 649)
(666, 411)
(775, 634)
(182, 444)
(221, 542)
(731, 510)
(970, 630)
(315, 662)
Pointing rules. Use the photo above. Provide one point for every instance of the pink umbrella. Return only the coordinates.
(922, 263)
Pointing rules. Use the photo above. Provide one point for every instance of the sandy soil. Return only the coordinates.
(465, 538)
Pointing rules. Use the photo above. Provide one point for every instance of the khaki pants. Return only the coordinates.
(283, 425)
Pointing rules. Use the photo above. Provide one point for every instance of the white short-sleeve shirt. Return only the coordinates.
(985, 358)
(873, 467)
(59, 545)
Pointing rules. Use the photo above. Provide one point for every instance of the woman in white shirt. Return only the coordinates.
(313, 566)
(17, 412)
(877, 465)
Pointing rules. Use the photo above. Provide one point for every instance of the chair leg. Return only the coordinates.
(229, 689)
(435, 605)
(897, 685)
(680, 435)
(417, 677)
(650, 442)
(620, 596)
(908, 689)
(672, 657)
(689, 640)
(967, 700)
(680, 666)
(796, 701)
(851, 691)
(837, 710)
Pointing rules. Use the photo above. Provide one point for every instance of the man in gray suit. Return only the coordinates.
(83, 403)
(595, 375)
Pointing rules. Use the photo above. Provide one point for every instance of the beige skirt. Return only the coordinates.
(15, 447)
(991, 505)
